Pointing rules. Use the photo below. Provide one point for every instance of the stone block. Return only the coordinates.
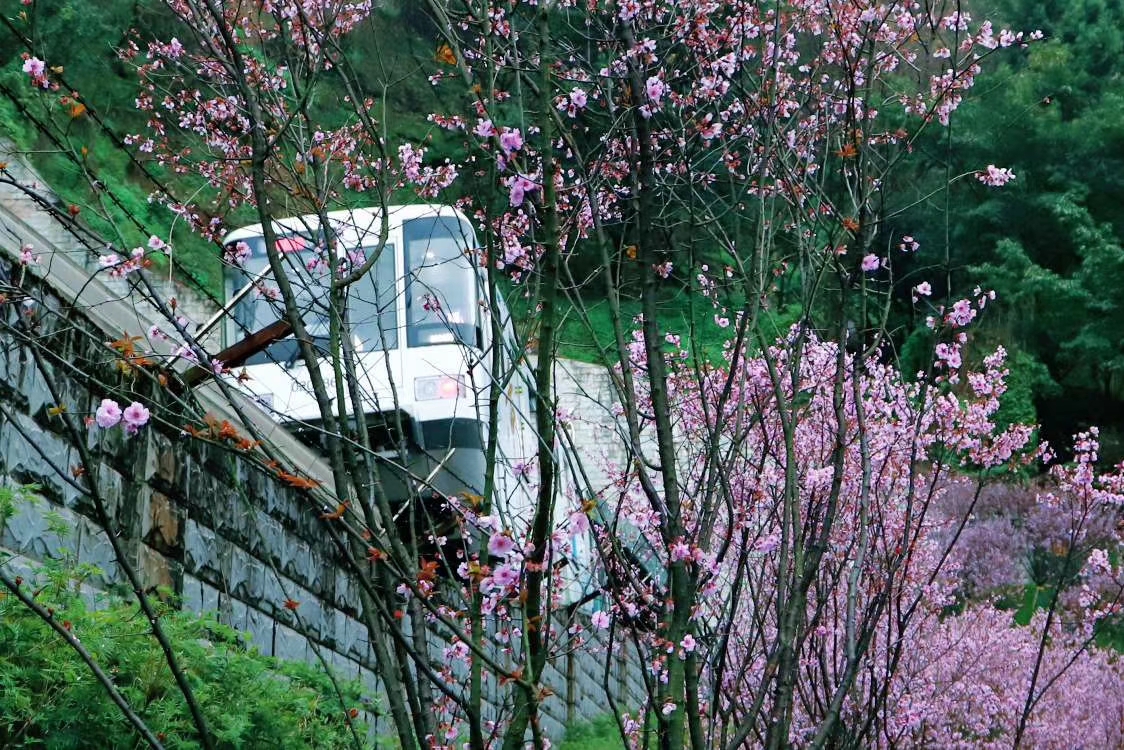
(230, 515)
(259, 626)
(18, 566)
(289, 644)
(346, 634)
(346, 592)
(321, 575)
(201, 550)
(210, 598)
(266, 536)
(275, 591)
(157, 571)
(191, 593)
(295, 560)
(165, 462)
(111, 488)
(35, 389)
(31, 454)
(95, 549)
(195, 487)
(244, 576)
(27, 531)
(551, 726)
(311, 618)
(232, 612)
(162, 524)
(367, 678)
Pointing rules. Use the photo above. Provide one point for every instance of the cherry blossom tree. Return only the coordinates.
(779, 551)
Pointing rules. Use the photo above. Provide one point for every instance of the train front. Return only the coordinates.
(408, 340)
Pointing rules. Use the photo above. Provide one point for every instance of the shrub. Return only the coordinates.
(49, 699)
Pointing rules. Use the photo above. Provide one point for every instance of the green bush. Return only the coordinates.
(49, 698)
(600, 734)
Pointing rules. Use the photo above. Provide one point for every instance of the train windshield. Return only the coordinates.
(441, 286)
(368, 305)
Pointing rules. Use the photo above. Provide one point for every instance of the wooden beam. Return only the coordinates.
(236, 354)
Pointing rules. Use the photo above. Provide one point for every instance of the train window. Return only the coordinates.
(371, 310)
(441, 285)
(369, 304)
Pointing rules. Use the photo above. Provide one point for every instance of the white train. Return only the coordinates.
(420, 329)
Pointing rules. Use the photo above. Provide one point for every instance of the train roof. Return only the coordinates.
(362, 221)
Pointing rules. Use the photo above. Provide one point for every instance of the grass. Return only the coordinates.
(599, 734)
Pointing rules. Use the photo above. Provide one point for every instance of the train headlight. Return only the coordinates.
(438, 386)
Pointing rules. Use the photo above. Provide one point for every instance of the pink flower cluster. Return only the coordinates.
(119, 267)
(995, 176)
(133, 417)
(37, 70)
(28, 256)
(428, 181)
(518, 187)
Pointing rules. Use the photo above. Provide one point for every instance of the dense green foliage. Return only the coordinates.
(1050, 243)
(50, 699)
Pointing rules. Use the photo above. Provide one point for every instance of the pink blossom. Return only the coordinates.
(458, 651)
(37, 70)
(519, 186)
(1098, 562)
(500, 544)
(411, 159)
(187, 353)
(33, 66)
(511, 140)
(909, 245)
(578, 98)
(679, 551)
(484, 129)
(924, 289)
(28, 257)
(108, 414)
(768, 543)
(995, 176)
(135, 416)
(655, 88)
(948, 354)
(489, 523)
(688, 643)
(521, 469)
(962, 313)
(237, 255)
(579, 522)
(156, 243)
(505, 576)
(871, 263)
(600, 620)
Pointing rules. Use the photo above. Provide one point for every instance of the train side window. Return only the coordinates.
(371, 304)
